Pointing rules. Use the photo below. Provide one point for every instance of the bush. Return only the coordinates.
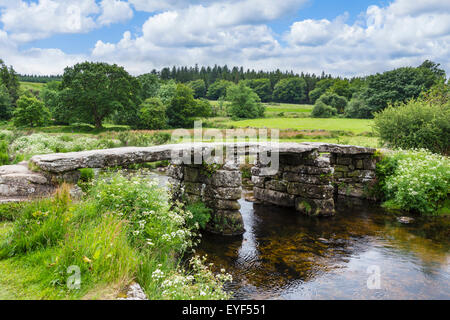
(321, 110)
(416, 124)
(11, 211)
(357, 108)
(417, 181)
(152, 115)
(244, 102)
(201, 215)
(332, 99)
(30, 112)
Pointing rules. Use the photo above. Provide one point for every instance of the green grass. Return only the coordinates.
(288, 108)
(35, 86)
(356, 126)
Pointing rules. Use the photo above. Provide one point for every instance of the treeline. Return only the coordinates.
(38, 79)
(98, 92)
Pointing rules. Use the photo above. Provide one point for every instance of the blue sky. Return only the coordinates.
(340, 37)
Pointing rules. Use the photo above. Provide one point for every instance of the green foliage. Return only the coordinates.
(167, 92)
(93, 91)
(218, 89)
(201, 215)
(337, 102)
(5, 103)
(341, 88)
(87, 174)
(4, 156)
(399, 85)
(198, 87)
(321, 87)
(152, 115)
(50, 95)
(11, 211)
(30, 112)
(416, 181)
(357, 108)
(41, 224)
(416, 124)
(291, 90)
(321, 110)
(150, 85)
(184, 108)
(262, 87)
(11, 80)
(244, 102)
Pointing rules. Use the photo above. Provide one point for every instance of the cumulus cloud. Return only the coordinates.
(114, 11)
(237, 33)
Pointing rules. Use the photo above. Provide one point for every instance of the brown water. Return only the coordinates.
(284, 255)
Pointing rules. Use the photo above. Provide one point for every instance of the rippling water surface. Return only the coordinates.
(285, 255)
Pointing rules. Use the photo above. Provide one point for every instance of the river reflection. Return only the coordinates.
(284, 255)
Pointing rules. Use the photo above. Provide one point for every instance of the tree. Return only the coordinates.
(262, 87)
(199, 88)
(357, 108)
(93, 91)
(341, 88)
(184, 108)
(399, 85)
(218, 89)
(50, 95)
(166, 92)
(321, 87)
(149, 85)
(244, 102)
(30, 112)
(321, 110)
(5, 103)
(152, 115)
(10, 79)
(334, 100)
(291, 90)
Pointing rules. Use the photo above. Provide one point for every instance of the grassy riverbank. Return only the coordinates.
(124, 230)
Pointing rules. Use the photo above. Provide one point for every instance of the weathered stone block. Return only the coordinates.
(226, 204)
(315, 207)
(355, 190)
(359, 164)
(176, 172)
(276, 185)
(192, 198)
(259, 182)
(306, 178)
(344, 161)
(308, 170)
(223, 193)
(227, 223)
(229, 179)
(193, 188)
(370, 164)
(274, 197)
(311, 191)
(341, 168)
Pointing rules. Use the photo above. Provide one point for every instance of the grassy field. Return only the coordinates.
(288, 109)
(35, 86)
(356, 126)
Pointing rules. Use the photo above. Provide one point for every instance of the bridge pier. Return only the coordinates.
(219, 187)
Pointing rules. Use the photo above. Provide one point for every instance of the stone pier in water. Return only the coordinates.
(308, 177)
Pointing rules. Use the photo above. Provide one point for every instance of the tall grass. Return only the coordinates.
(123, 230)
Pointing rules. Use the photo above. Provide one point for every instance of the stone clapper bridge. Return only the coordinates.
(309, 178)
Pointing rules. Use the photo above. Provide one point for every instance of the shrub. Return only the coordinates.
(152, 115)
(5, 103)
(321, 110)
(357, 108)
(11, 211)
(416, 124)
(30, 112)
(200, 215)
(335, 101)
(414, 180)
(244, 102)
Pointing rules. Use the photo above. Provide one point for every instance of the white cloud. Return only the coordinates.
(114, 11)
(236, 33)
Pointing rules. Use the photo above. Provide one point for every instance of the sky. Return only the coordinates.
(343, 38)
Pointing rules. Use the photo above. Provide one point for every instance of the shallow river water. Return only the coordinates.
(361, 253)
